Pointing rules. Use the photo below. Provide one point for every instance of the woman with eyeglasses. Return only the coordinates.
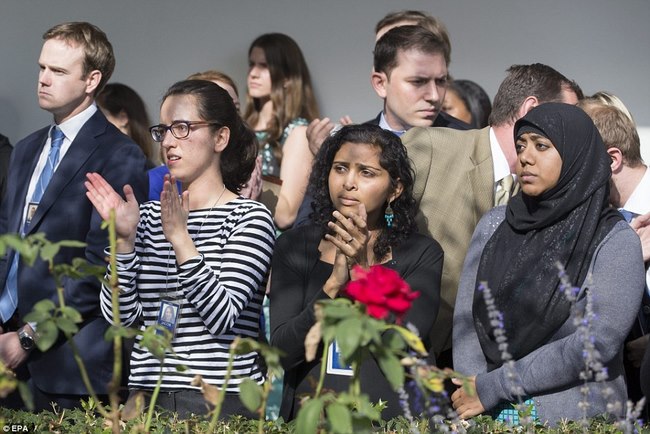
(280, 105)
(203, 255)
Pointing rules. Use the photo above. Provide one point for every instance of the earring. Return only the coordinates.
(389, 215)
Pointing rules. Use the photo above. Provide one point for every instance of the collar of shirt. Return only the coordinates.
(499, 161)
(639, 201)
(70, 128)
(384, 126)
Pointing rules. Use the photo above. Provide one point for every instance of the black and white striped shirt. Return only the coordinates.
(220, 292)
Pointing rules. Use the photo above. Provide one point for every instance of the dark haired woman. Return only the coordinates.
(467, 101)
(124, 108)
(280, 105)
(205, 254)
(364, 214)
(562, 215)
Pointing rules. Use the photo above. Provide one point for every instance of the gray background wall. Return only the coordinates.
(602, 44)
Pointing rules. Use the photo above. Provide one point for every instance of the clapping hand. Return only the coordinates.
(174, 210)
(127, 212)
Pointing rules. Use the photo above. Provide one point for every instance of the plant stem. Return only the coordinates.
(75, 350)
(222, 394)
(266, 389)
(116, 381)
(355, 384)
(154, 398)
(323, 366)
(84, 376)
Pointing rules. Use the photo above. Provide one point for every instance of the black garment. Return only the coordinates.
(442, 120)
(297, 283)
(5, 155)
(564, 224)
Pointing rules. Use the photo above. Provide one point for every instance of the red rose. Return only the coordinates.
(382, 290)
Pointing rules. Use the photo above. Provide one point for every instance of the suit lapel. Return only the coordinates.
(81, 149)
(481, 177)
(29, 155)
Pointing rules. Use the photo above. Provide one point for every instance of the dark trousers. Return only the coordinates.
(188, 402)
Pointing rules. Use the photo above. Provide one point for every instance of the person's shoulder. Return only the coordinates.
(373, 121)
(419, 241)
(249, 209)
(491, 219)
(442, 135)
(621, 232)
(448, 121)
(38, 135)
(305, 234)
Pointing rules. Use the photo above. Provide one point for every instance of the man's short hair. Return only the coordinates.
(522, 81)
(98, 51)
(404, 38)
(616, 128)
(422, 19)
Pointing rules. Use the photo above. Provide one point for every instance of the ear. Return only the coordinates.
(221, 138)
(529, 103)
(123, 118)
(379, 81)
(92, 81)
(617, 159)
(397, 192)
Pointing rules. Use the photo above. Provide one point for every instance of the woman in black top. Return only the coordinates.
(361, 175)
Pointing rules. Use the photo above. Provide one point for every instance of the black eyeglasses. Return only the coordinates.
(179, 129)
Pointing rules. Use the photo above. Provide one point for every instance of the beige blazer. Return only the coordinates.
(454, 187)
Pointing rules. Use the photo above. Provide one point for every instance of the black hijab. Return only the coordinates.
(564, 224)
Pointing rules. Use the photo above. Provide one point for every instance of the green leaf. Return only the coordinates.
(338, 311)
(361, 424)
(181, 368)
(348, 335)
(47, 332)
(391, 368)
(37, 317)
(250, 394)
(157, 340)
(49, 251)
(246, 345)
(309, 416)
(367, 409)
(26, 395)
(72, 314)
(66, 326)
(338, 415)
(410, 338)
(45, 306)
(392, 341)
(125, 332)
(71, 243)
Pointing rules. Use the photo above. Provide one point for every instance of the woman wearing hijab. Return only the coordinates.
(561, 216)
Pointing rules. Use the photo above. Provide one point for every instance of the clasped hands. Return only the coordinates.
(350, 236)
(465, 400)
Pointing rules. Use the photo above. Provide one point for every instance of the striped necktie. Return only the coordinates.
(504, 190)
(9, 297)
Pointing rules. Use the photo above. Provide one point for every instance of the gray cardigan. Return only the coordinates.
(550, 374)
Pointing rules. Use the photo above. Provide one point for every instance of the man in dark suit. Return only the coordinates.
(46, 193)
(410, 75)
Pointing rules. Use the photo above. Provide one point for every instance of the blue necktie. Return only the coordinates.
(9, 298)
(627, 215)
